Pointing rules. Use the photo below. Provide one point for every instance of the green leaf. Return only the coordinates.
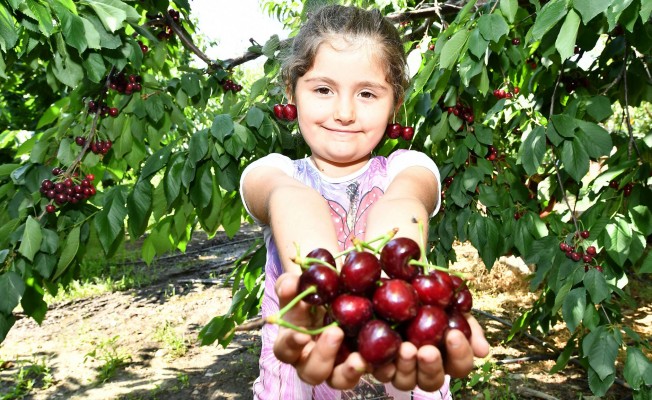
(66, 70)
(69, 251)
(509, 9)
(220, 328)
(31, 240)
(595, 139)
(646, 264)
(172, 179)
(95, 68)
(8, 30)
(222, 127)
(599, 386)
(453, 48)
(564, 356)
(198, 146)
(601, 348)
(93, 38)
(155, 108)
(12, 288)
(493, 27)
(33, 304)
(564, 125)
(72, 26)
(202, 187)
(533, 150)
(255, 117)
(589, 9)
(565, 43)
(547, 17)
(109, 221)
(6, 321)
(156, 162)
(575, 159)
(439, 131)
(113, 13)
(190, 84)
(139, 207)
(617, 238)
(477, 44)
(573, 308)
(646, 10)
(599, 107)
(596, 285)
(638, 369)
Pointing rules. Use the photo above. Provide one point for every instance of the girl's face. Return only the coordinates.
(344, 103)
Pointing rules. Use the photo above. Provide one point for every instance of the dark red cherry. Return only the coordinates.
(325, 279)
(434, 289)
(322, 255)
(457, 321)
(407, 133)
(394, 131)
(278, 111)
(427, 327)
(396, 255)
(360, 272)
(351, 312)
(378, 343)
(290, 112)
(463, 300)
(395, 300)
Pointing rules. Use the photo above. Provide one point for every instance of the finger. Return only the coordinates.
(290, 345)
(478, 341)
(317, 364)
(459, 354)
(405, 377)
(430, 374)
(286, 287)
(384, 373)
(347, 375)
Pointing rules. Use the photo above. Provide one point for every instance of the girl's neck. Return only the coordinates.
(335, 170)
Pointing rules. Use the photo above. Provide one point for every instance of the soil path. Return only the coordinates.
(149, 336)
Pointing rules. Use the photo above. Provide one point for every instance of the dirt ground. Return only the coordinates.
(142, 343)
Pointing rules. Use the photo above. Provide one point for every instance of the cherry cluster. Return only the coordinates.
(506, 94)
(378, 313)
(575, 252)
(125, 84)
(287, 112)
(462, 111)
(66, 189)
(396, 130)
(626, 189)
(492, 153)
(143, 47)
(103, 109)
(97, 146)
(229, 85)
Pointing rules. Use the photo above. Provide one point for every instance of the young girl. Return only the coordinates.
(346, 75)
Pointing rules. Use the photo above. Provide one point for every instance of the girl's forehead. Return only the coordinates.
(365, 47)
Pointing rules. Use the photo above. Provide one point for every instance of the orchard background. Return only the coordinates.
(537, 113)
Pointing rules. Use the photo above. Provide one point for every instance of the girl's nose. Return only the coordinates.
(344, 111)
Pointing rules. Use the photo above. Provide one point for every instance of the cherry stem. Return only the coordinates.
(306, 261)
(359, 245)
(311, 332)
(278, 317)
(429, 266)
(310, 290)
(422, 245)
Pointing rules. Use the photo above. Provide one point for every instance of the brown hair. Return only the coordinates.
(351, 23)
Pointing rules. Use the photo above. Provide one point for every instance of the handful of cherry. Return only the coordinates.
(414, 301)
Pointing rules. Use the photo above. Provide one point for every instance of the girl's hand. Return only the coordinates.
(314, 359)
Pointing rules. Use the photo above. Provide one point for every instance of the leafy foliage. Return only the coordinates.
(516, 102)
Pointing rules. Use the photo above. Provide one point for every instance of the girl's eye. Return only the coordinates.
(323, 90)
(367, 95)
